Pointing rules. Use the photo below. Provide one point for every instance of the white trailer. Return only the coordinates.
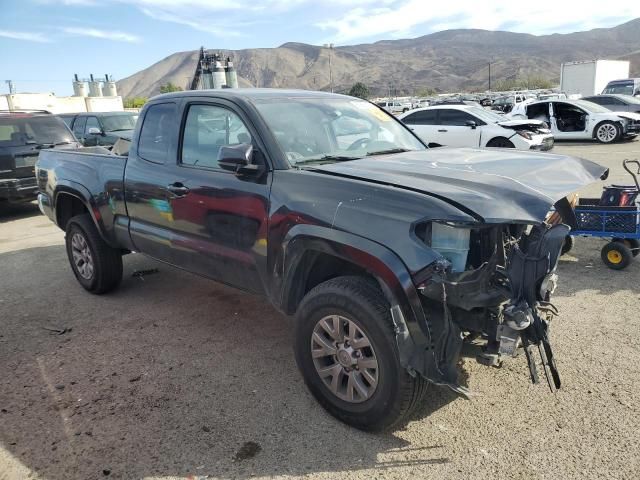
(590, 77)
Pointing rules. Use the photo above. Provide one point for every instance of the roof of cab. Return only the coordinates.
(250, 93)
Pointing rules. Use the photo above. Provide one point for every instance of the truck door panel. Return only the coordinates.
(203, 218)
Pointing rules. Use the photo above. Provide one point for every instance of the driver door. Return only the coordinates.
(454, 131)
(557, 121)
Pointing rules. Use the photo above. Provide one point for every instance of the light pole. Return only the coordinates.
(330, 47)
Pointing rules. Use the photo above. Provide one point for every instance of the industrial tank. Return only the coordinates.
(109, 89)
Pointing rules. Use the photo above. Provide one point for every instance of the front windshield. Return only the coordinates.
(33, 130)
(591, 107)
(333, 129)
(114, 123)
(620, 89)
(486, 115)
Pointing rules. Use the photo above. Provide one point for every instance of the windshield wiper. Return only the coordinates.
(120, 129)
(327, 158)
(389, 151)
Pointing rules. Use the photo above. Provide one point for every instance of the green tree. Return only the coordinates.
(425, 92)
(169, 87)
(359, 90)
(135, 102)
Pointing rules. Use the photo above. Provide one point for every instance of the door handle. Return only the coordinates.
(178, 189)
(443, 130)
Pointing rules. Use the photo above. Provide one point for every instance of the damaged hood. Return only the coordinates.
(496, 186)
(515, 124)
(628, 115)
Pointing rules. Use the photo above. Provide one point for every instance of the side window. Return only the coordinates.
(599, 100)
(455, 118)
(612, 101)
(207, 129)
(92, 122)
(155, 136)
(424, 117)
(78, 125)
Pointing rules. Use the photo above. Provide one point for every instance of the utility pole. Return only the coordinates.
(330, 47)
(12, 88)
(489, 76)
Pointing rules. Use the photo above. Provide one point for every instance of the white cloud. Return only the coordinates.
(401, 17)
(108, 35)
(28, 36)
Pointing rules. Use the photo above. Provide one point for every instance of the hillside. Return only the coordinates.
(451, 60)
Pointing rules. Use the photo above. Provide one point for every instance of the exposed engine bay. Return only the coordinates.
(498, 297)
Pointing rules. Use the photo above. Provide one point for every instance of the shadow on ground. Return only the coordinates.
(16, 211)
(171, 375)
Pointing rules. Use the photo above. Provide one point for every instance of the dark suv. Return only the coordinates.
(101, 128)
(22, 135)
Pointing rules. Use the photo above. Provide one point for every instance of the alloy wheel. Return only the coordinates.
(82, 257)
(344, 359)
(607, 133)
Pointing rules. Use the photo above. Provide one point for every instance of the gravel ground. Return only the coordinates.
(174, 376)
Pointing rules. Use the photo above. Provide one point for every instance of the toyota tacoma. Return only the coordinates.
(390, 255)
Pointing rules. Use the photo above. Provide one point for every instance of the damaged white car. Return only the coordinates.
(580, 120)
(471, 126)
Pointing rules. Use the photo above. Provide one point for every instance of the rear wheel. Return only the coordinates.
(616, 255)
(346, 350)
(500, 142)
(607, 132)
(96, 265)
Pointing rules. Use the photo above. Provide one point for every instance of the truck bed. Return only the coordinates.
(93, 172)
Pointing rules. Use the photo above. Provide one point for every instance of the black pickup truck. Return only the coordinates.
(390, 255)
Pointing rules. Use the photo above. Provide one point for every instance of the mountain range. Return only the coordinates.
(451, 60)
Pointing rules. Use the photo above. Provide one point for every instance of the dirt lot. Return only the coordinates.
(172, 375)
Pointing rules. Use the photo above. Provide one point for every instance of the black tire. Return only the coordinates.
(500, 142)
(568, 244)
(600, 132)
(616, 255)
(360, 300)
(632, 243)
(106, 261)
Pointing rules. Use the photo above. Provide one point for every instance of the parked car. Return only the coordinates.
(473, 126)
(616, 103)
(581, 120)
(385, 251)
(394, 106)
(505, 104)
(628, 86)
(101, 128)
(23, 134)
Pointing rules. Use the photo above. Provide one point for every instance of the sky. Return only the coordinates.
(44, 42)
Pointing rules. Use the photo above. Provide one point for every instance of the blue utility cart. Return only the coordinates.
(616, 216)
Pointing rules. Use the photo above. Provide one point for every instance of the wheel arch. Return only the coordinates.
(70, 199)
(617, 122)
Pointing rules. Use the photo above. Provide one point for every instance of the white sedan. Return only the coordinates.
(580, 120)
(472, 126)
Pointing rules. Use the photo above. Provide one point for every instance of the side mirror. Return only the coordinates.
(237, 158)
(95, 131)
(471, 123)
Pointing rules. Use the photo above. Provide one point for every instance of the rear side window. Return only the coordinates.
(424, 117)
(156, 133)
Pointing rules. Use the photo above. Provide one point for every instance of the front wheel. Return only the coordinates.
(346, 349)
(96, 265)
(607, 132)
(501, 142)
